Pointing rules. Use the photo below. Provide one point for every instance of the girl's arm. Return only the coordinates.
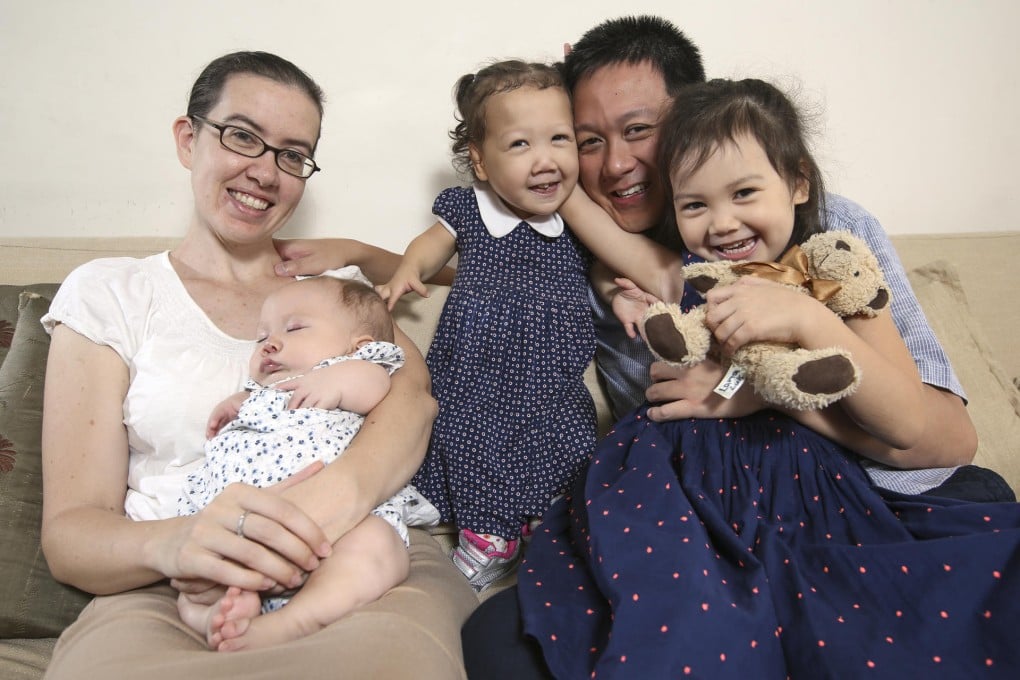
(885, 404)
(383, 456)
(651, 266)
(427, 254)
(88, 540)
(947, 436)
(310, 257)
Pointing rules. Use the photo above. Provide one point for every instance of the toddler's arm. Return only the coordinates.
(425, 256)
(628, 302)
(650, 265)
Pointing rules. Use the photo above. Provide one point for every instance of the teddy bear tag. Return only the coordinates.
(731, 382)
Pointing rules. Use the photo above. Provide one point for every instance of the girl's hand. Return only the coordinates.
(756, 310)
(276, 543)
(403, 281)
(224, 412)
(630, 304)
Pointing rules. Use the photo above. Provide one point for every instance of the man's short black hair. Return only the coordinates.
(633, 40)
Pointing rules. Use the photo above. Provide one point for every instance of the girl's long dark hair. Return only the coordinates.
(705, 115)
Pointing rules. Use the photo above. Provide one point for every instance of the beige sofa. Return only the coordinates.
(964, 282)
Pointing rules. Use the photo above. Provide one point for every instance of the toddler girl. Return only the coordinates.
(515, 422)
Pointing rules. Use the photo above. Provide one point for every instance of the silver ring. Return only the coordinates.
(240, 523)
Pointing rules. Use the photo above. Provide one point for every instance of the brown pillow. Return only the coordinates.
(32, 604)
(9, 310)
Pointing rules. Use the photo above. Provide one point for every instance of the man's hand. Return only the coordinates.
(680, 392)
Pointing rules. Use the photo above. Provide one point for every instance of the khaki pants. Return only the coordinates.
(411, 632)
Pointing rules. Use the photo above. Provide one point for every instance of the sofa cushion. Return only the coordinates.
(9, 311)
(32, 604)
(993, 399)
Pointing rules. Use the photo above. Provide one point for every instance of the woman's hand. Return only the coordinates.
(246, 537)
(311, 257)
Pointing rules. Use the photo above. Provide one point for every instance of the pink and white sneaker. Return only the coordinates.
(485, 558)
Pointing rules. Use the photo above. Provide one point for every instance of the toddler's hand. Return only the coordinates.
(630, 304)
(402, 282)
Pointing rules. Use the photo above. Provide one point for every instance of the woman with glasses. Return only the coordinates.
(143, 349)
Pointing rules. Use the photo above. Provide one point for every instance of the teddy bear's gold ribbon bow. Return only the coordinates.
(791, 269)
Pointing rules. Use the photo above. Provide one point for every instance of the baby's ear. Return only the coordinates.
(361, 340)
(477, 162)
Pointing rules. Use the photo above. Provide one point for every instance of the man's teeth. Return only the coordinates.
(637, 188)
(249, 200)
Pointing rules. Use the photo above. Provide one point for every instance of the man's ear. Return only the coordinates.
(184, 139)
(477, 163)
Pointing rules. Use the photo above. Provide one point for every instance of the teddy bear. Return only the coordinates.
(835, 267)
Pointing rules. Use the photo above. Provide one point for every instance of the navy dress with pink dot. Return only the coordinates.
(756, 548)
(516, 423)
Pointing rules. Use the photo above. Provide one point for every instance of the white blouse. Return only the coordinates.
(180, 367)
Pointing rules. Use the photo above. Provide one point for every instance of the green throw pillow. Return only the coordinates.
(32, 604)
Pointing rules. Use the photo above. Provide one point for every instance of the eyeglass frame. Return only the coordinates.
(222, 127)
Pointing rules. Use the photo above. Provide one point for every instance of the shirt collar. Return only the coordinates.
(499, 221)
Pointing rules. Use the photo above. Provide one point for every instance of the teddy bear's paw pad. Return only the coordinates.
(832, 375)
(664, 339)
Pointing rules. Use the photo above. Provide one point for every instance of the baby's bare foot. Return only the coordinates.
(232, 616)
(272, 629)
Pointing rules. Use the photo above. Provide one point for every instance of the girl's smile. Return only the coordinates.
(735, 206)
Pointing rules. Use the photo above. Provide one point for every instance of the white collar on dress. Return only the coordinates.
(499, 221)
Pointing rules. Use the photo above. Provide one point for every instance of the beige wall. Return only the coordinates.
(917, 100)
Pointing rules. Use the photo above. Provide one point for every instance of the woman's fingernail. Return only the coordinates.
(325, 550)
(267, 583)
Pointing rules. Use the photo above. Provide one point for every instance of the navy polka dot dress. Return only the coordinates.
(756, 548)
(515, 423)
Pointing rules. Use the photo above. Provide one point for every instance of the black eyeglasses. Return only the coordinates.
(249, 144)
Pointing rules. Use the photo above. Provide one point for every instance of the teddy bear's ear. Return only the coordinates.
(703, 283)
(881, 299)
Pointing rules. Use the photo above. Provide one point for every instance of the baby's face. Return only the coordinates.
(300, 325)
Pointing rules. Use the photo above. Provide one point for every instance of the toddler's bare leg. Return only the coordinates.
(366, 562)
